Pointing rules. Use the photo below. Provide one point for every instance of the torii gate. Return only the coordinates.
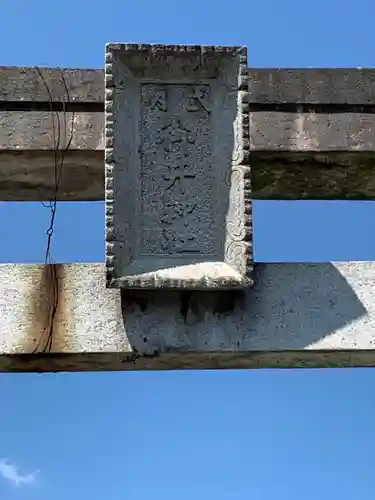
(171, 295)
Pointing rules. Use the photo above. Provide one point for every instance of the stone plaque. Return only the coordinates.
(178, 194)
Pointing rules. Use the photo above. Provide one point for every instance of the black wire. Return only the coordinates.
(52, 204)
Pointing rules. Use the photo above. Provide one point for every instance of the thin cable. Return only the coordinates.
(52, 204)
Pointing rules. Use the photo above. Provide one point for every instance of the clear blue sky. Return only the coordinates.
(259, 435)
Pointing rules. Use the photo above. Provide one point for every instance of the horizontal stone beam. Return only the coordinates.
(30, 85)
(295, 155)
(268, 85)
(269, 131)
(63, 318)
(29, 175)
(279, 131)
(312, 85)
(43, 130)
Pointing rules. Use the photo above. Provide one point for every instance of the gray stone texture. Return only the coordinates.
(178, 200)
(269, 131)
(27, 84)
(288, 156)
(295, 315)
(28, 175)
(277, 131)
(312, 85)
(266, 85)
(45, 130)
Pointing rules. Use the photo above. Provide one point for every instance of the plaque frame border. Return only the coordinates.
(244, 238)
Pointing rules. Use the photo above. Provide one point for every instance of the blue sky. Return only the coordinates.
(190, 435)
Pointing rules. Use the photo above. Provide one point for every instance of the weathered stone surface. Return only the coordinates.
(178, 200)
(296, 315)
(287, 169)
(266, 85)
(271, 130)
(29, 176)
(312, 85)
(326, 175)
(45, 130)
(26, 84)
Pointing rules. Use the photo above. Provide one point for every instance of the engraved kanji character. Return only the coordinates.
(156, 98)
(179, 241)
(184, 241)
(175, 133)
(177, 209)
(178, 175)
(198, 99)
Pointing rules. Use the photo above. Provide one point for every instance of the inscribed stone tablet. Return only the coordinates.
(178, 199)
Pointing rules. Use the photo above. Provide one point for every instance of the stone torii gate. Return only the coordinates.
(178, 164)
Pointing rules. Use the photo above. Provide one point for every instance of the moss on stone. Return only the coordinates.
(313, 176)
